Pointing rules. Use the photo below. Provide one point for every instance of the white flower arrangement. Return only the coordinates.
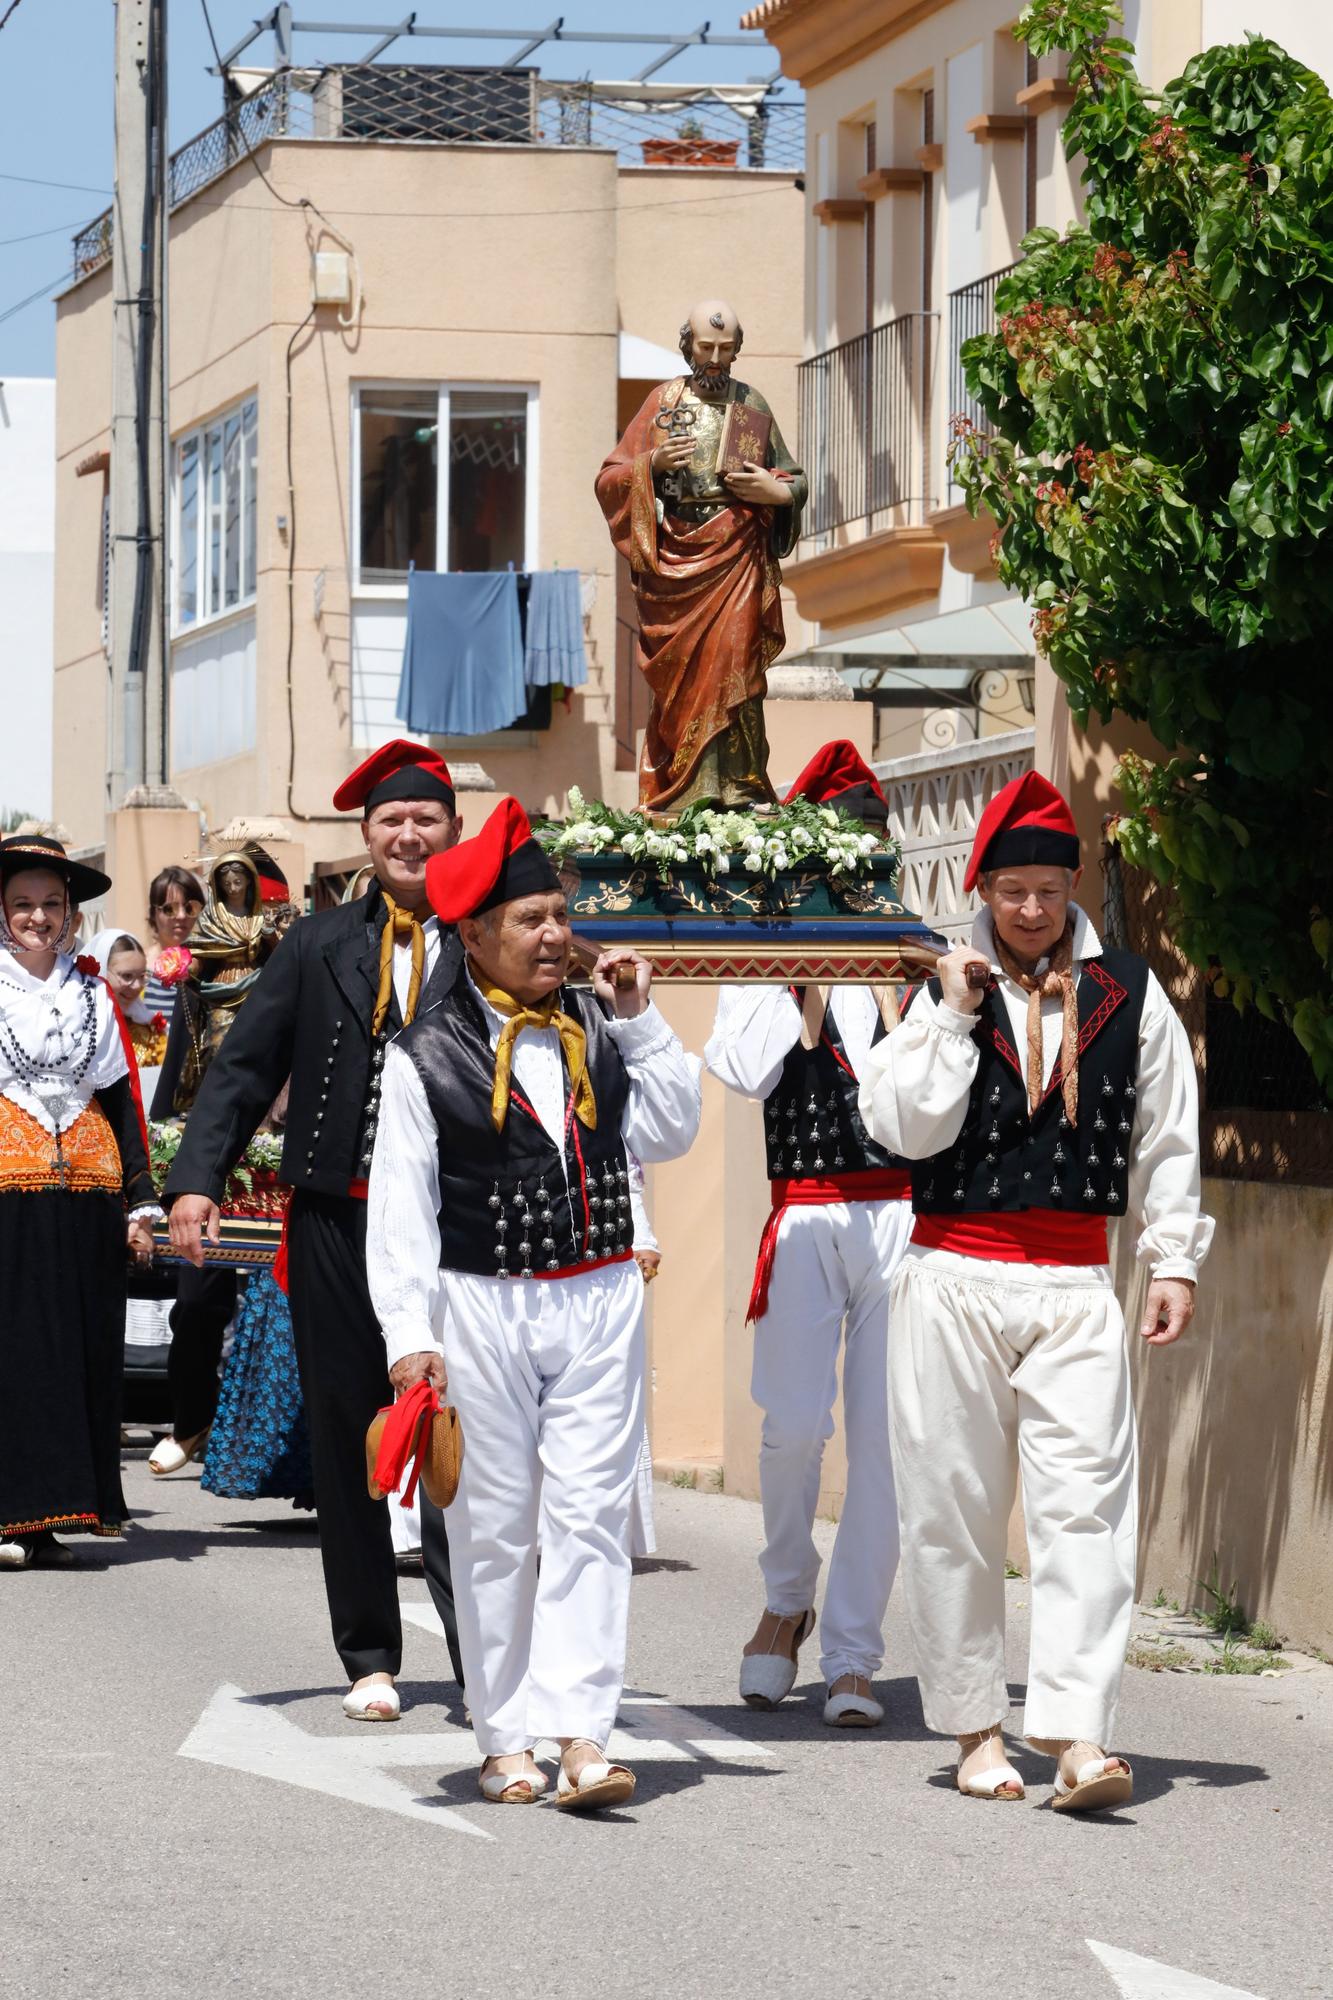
(800, 835)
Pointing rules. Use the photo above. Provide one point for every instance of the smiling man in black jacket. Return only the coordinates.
(335, 993)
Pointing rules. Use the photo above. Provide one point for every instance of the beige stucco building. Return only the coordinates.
(512, 304)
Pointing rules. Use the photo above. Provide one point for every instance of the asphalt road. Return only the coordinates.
(291, 1853)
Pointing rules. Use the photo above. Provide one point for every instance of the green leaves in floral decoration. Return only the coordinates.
(1158, 397)
(799, 835)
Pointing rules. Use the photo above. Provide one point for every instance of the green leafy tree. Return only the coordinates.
(1160, 389)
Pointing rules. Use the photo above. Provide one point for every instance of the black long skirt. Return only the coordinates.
(62, 1361)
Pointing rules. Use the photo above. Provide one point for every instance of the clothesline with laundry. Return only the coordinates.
(478, 640)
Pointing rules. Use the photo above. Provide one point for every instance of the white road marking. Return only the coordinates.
(244, 1735)
(650, 1730)
(1145, 1979)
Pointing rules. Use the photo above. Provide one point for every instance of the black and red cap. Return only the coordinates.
(838, 775)
(397, 770)
(497, 865)
(1027, 825)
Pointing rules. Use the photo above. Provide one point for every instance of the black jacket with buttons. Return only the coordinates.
(308, 1018)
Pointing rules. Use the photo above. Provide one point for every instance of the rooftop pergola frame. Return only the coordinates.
(526, 41)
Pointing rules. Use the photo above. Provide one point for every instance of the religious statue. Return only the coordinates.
(702, 497)
(233, 939)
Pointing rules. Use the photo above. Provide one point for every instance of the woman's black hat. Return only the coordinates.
(40, 850)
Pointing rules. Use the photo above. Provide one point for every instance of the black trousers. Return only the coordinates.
(205, 1302)
(340, 1352)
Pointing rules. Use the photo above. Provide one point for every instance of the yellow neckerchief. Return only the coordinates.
(400, 926)
(546, 1014)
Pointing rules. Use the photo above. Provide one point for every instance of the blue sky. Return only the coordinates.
(56, 77)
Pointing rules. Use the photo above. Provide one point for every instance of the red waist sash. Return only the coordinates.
(1023, 1236)
(875, 1184)
(356, 1191)
(578, 1270)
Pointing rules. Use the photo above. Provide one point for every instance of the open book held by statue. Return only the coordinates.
(703, 546)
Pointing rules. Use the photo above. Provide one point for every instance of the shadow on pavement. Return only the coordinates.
(1154, 1778)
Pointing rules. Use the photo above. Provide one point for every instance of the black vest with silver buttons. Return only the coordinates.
(510, 1206)
(1005, 1160)
(811, 1123)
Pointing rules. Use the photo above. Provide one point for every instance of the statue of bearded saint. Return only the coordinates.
(703, 553)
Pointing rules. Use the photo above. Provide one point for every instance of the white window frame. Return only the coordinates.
(443, 391)
(199, 434)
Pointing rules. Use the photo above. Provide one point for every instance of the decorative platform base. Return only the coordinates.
(804, 926)
(249, 1243)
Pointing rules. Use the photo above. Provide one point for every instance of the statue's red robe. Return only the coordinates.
(710, 616)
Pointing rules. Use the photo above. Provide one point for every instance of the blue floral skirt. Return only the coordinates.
(259, 1447)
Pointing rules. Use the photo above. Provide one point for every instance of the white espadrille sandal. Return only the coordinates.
(512, 1788)
(1100, 1781)
(767, 1678)
(598, 1783)
(994, 1780)
(377, 1701)
(172, 1454)
(851, 1705)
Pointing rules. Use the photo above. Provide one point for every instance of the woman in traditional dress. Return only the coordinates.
(73, 1159)
(123, 963)
(232, 940)
(175, 898)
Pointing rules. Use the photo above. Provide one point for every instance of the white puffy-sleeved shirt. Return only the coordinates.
(757, 1027)
(407, 1285)
(60, 1041)
(915, 1086)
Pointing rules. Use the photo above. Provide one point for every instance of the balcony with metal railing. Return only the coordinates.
(873, 433)
(728, 127)
(864, 416)
(971, 311)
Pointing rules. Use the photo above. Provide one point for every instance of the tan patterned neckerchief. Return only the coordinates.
(1057, 982)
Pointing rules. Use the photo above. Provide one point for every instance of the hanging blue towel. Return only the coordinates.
(463, 656)
(554, 647)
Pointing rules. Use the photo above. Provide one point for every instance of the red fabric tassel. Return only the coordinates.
(123, 1025)
(875, 1184)
(280, 1261)
(404, 1438)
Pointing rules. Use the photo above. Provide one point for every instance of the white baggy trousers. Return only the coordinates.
(999, 1369)
(831, 1272)
(547, 1377)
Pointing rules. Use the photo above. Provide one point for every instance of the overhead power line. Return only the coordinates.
(56, 229)
(10, 9)
(35, 180)
(33, 297)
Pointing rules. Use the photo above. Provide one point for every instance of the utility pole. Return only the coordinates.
(136, 717)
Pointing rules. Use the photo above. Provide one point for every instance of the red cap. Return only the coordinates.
(838, 767)
(499, 863)
(399, 770)
(273, 886)
(1025, 825)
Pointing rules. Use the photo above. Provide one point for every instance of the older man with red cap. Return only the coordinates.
(1041, 1083)
(839, 1224)
(500, 1195)
(322, 1013)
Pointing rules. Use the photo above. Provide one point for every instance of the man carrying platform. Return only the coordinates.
(1041, 1083)
(339, 985)
(500, 1192)
(839, 1224)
